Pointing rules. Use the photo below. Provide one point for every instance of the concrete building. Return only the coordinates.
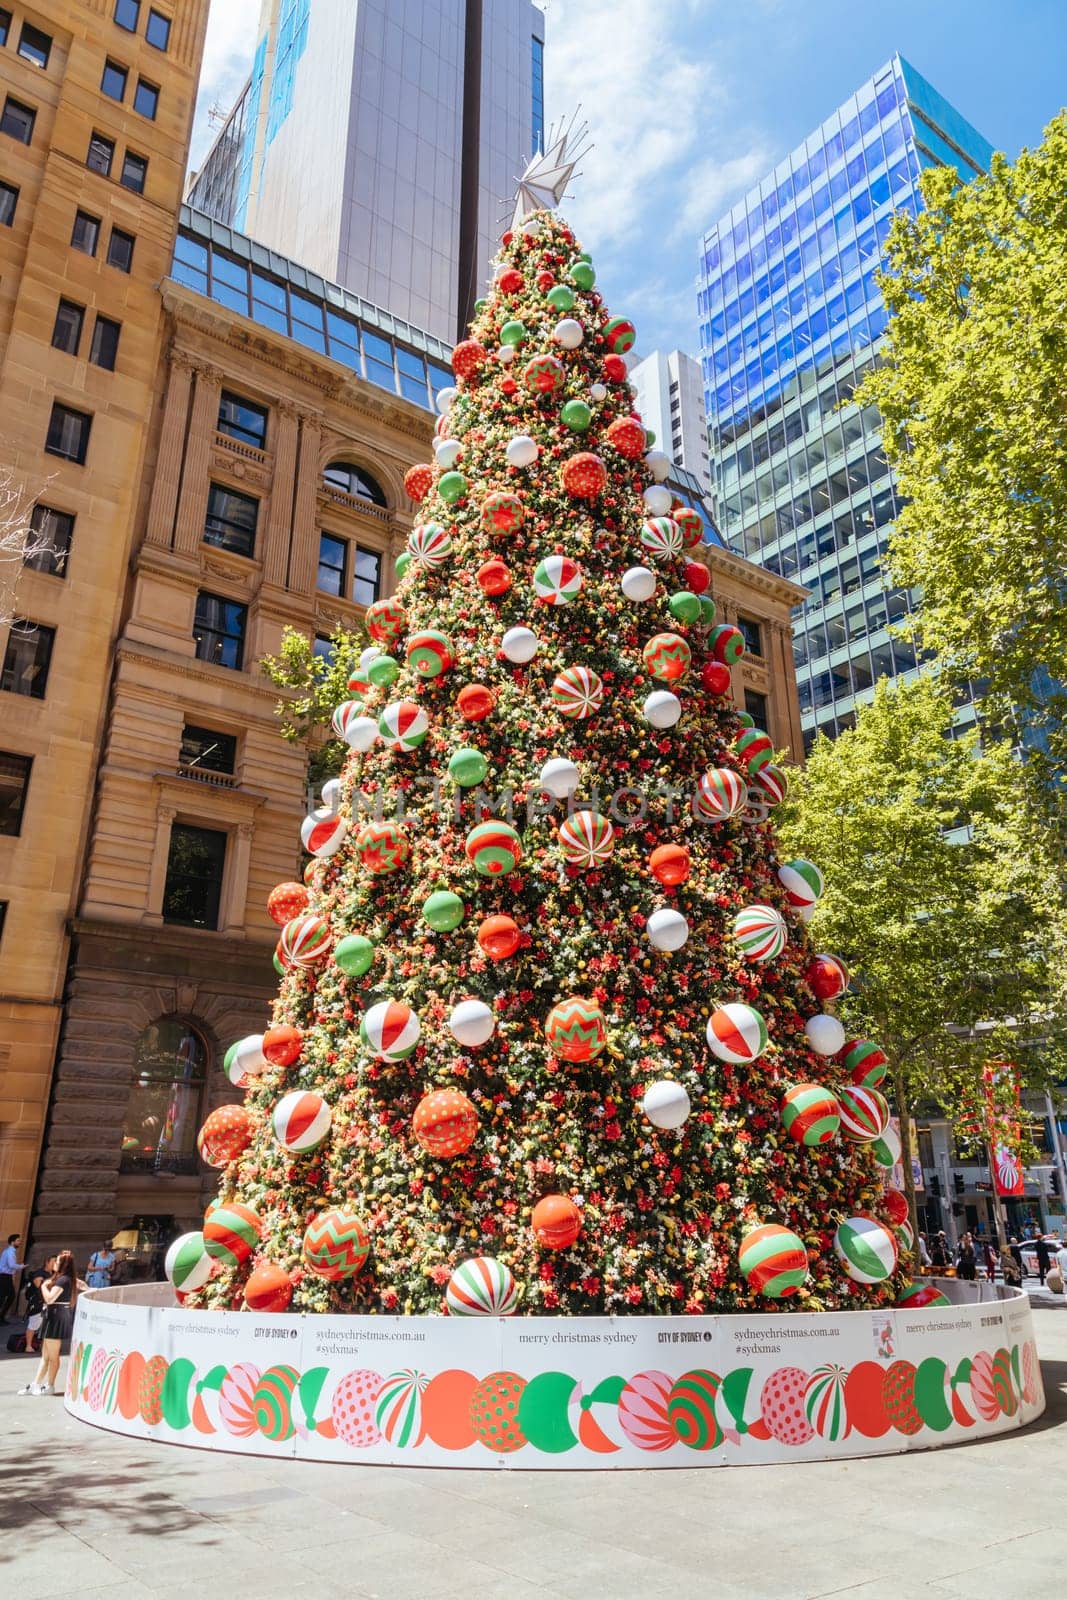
(790, 319)
(670, 400)
(96, 100)
(379, 144)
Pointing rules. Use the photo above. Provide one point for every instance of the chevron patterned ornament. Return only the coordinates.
(386, 621)
(335, 1246)
(586, 839)
(482, 1287)
(690, 525)
(575, 1029)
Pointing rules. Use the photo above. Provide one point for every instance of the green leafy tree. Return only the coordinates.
(313, 685)
(972, 394)
(933, 895)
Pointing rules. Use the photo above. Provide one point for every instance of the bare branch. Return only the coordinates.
(21, 543)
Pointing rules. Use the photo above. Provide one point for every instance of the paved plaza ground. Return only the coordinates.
(85, 1513)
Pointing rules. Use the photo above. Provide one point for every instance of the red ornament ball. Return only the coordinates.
(508, 385)
(269, 1288)
(510, 282)
(445, 1123)
(226, 1133)
(494, 577)
(475, 702)
(544, 281)
(895, 1205)
(287, 900)
(615, 369)
(282, 1045)
(499, 937)
(827, 977)
(627, 436)
(584, 476)
(418, 481)
(556, 1222)
(468, 358)
(715, 677)
(670, 864)
(697, 577)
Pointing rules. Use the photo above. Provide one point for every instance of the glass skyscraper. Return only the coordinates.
(790, 320)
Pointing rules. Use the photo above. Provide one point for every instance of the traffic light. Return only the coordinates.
(1054, 1182)
(935, 1186)
(957, 1179)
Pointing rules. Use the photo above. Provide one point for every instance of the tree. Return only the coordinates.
(935, 890)
(547, 996)
(314, 685)
(20, 541)
(971, 392)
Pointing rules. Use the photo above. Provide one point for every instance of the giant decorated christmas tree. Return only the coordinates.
(550, 1036)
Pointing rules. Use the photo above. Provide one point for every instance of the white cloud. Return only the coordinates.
(713, 186)
(232, 33)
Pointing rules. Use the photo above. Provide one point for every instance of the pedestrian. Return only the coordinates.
(1017, 1256)
(925, 1260)
(1011, 1269)
(939, 1252)
(1041, 1250)
(1061, 1263)
(989, 1260)
(35, 1304)
(101, 1267)
(967, 1259)
(9, 1265)
(60, 1294)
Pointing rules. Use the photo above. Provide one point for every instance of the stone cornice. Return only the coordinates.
(756, 577)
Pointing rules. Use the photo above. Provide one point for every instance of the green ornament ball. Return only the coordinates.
(684, 606)
(403, 562)
(444, 911)
(583, 255)
(227, 1060)
(452, 487)
(279, 969)
(560, 298)
(383, 671)
(480, 304)
(745, 720)
(467, 767)
(650, 437)
(707, 609)
(576, 415)
(583, 274)
(354, 954)
(513, 332)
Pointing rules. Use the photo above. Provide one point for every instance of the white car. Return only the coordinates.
(1029, 1253)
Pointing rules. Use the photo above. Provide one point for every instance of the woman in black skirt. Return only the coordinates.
(59, 1293)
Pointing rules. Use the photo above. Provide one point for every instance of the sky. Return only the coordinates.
(690, 102)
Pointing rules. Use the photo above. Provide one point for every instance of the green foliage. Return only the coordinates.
(972, 394)
(314, 688)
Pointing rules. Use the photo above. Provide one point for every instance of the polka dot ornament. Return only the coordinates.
(783, 1408)
(494, 1412)
(353, 1409)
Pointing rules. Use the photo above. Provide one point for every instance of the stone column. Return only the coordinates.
(277, 533)
(167, 481)
(304, 561)
(236, 896)
(157, 878)
(192, 503)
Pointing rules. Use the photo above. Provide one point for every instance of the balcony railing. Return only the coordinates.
(214, 780)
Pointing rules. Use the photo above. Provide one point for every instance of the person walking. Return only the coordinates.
(1017, 1256)
(989, 1260)
(1061, 1266)
(967, 1259)
(939, 1252)
(1010, 1268)
(1044, 1257)
(925, 1260)
(9, 1265)
(60, 1294)
(101, 1267)
(35, 1304)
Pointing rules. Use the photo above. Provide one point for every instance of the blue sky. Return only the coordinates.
(689, 102)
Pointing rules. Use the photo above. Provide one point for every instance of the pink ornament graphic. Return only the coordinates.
(643, 1411)
(983, 1386)
(782, 1406)
(352, 1410)
(235, 1400)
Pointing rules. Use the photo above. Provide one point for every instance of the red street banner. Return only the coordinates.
(1001, 1086)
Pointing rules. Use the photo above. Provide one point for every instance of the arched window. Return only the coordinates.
(163, 1114)
(354, 481)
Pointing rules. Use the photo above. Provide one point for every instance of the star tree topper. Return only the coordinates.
(548, 172)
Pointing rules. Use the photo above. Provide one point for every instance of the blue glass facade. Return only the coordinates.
(790, 319)
(537, 93)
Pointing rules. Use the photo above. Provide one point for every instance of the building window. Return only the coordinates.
(194, 876)
(750, 632)
(3, 917)
(68, 433)
(14, 781)
(5, 25)
(163, 1112)
(134, 172)
(101, 154)
(241, 420)
(128, 14)
(34, 45)
(146, 99)
(105, 346)
(354, 481)
(113, 83)
(86, 234)
(207, 750)
(231, 520)
(756, 706)
(537, 92)
(18, 120)
(323, 649)
(27, 658)
(67, 332)
(9, 199)
(120, 250)
(158, 30)
(331, 564)
(366, 576)
(219, 630)
(52, 533)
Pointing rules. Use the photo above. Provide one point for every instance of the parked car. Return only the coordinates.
(1029, 1252)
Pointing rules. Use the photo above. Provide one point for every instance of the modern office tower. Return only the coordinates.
(378, 142)
(790, 319)
(96, 100)
(670, 399)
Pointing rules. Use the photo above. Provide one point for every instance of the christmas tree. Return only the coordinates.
(550, 1034)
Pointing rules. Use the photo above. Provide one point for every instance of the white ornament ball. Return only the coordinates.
(560, 777)
(471, 1022)
(666, 1104)
(506, 354)
(658, 501)
(445, 398)
(825, 1034)
(598, 392)
(331, 795)
(519, 645)
(569, 333)
(522, 451)
(638, 583)
(532, 227)
(361, 733)
(448, 452)
(658, 463)
(662, 709)
(248, 1060)
(371, 653)
(805, 913)
(667, 929)
(499, 270)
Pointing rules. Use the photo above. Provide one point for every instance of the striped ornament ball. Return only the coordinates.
(482, 1287)
(760, 932)
(773, 1261)
(390, 1030)
(558, 580)
(403, 726)
(335, 1245)
(586, 839)
(864, 1112)
(306, 941)
(737, 1033)
(720, 794)
(301, 1121)
(231, 1232)
(810, 1113)
(188, 1264)
(866, 1248)
(865, 1062)
(802, 882)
